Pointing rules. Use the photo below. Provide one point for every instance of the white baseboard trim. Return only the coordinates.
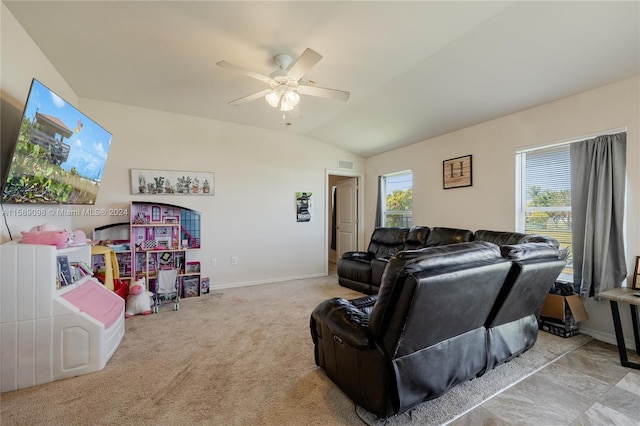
(608, 337)
(272, 280)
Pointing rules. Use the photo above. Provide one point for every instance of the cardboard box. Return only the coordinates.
(563, 307)
(561, 314)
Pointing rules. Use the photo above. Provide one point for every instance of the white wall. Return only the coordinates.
(257, 173)
(490, 202)
(20, 62)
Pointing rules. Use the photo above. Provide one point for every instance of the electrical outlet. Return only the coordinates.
(234, 260)
(214, 261)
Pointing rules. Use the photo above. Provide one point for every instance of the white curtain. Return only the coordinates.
(598, 169)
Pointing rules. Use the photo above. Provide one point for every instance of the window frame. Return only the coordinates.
(521, 199)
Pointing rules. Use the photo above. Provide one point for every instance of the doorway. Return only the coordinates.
(343, 215)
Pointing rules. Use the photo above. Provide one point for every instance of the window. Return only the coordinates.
(397, 202)
(543, 196)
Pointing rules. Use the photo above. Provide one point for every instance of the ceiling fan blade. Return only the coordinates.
(249, 98)
(236, 68)
(303, 64)
(322, 92)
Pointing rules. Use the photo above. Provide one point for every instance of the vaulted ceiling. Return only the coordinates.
(415, 70)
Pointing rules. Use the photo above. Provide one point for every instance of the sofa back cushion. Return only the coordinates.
(417, 237)
(535, 267)
(385, 242)
(535, 238)
(441, 236)
(499, 237)
(529, 251)
(401, 289)
(502, 238)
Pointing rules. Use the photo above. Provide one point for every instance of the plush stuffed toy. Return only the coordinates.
(139, 299)
(46, 234)
(78, 238)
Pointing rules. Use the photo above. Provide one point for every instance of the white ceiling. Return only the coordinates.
(415, 70)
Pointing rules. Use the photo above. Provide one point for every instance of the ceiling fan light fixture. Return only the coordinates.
(273, 98)
(285, 106)
(291, 98)
(287, 84)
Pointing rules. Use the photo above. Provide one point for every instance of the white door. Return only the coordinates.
(346, 215)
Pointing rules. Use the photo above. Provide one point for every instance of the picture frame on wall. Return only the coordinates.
(636, 272)
(303, 206)
(457, 172)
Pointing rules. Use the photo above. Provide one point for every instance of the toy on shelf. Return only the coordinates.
(46, 234)
(78, 238)
(139, 299)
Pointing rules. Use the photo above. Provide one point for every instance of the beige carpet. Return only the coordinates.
(237, 357)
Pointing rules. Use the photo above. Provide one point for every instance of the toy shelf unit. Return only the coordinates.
(165, 236)
(56, 320)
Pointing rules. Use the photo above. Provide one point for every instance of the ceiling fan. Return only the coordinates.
(286, 84)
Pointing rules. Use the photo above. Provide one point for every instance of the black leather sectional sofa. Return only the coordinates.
(443, 315)
(362, 270)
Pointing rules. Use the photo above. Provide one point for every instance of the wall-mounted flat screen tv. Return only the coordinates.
(59, 156)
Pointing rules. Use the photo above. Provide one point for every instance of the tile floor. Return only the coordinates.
(586, 387)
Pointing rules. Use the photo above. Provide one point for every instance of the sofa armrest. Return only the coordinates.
(365, 301)
(357, 255)
(365, 304)
(347, 323)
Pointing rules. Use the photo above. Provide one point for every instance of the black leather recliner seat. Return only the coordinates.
(443, 315)
(512, 326)
(362, 270)
(354, 268)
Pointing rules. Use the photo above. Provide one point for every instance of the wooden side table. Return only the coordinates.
(624, 295)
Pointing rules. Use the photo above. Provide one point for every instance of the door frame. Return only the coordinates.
(327, 213)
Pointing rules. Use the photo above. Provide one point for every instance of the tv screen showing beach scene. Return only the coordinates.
(59, 156)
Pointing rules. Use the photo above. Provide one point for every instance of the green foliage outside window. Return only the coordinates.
(399, 208)
(553, 223)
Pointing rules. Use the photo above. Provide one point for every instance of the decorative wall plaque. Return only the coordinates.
(456, 172)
